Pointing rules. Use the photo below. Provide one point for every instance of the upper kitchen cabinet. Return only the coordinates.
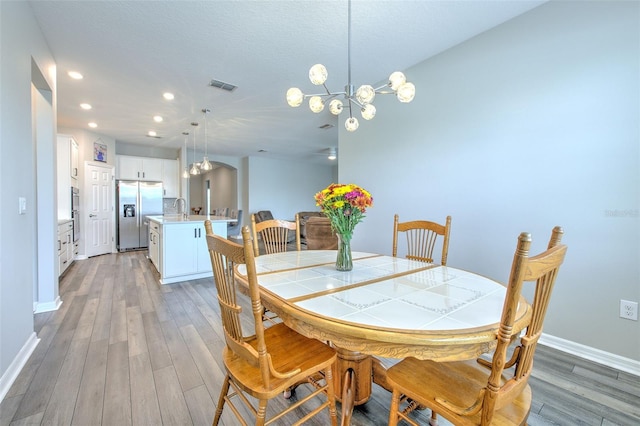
(74, 159)
(138, 168)
(67, 173)
(170, 178)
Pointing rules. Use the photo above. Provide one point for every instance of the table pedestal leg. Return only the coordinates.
(361, 367)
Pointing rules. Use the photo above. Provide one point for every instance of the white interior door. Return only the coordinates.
(99, 216)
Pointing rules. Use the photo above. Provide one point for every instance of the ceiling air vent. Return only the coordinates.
(222, 85)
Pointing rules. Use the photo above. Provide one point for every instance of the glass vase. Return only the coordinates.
(344, 261)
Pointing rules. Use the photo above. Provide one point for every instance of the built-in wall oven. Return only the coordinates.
(75, 212)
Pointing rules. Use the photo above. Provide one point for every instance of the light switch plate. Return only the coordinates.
(22, 205)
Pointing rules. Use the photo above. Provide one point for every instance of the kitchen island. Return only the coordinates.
(178, 247)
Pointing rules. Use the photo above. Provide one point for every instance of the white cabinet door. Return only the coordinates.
(128, 168)
(151, 169)
(65, 246)
(179, 249)
(139, 168)
(70, 247)
(64, 173)
(154, 244)
(204, 260)
(184, 248)
(74, 159)
(170, 178)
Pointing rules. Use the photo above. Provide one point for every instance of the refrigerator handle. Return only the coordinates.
(140, 208)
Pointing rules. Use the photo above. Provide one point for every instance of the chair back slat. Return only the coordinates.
(274, 234)
(421, 237)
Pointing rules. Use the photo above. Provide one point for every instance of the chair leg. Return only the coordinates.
(433, 421)
(393, 411)
(223, 394)
(328, 378)
(261, 414)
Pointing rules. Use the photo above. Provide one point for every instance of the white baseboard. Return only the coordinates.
(47, 307)
(592, 354)
(16, 365)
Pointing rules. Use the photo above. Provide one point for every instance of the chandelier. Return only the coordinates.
(361, 98)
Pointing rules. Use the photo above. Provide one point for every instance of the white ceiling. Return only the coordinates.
(130, 52)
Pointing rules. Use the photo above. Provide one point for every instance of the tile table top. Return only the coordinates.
(382, 291)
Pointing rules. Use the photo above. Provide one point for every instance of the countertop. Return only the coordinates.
(178, 218)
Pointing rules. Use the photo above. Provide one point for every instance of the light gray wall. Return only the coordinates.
(224, 188)
(284, 187)
(529, 125)
(21, 42)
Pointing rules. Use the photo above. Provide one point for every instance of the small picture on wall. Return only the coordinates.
(100, 152)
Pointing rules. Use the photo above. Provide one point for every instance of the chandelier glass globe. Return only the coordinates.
(368, 112)
(365, 94)
(406, 92)
(315, 104)
(396, 79)
(351, 124)
(294, 97)
(335, 106)
(318, 74)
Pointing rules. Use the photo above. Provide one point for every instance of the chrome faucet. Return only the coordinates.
(181, 202)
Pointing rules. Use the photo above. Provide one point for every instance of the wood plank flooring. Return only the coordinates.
(124, 350)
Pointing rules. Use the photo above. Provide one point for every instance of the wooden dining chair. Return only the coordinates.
(482, 392)
(272, 360)
(421, 236)
(275, 234)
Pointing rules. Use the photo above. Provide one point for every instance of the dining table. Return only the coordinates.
(386, 308)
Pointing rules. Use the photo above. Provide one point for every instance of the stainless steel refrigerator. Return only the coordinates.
(136, 201)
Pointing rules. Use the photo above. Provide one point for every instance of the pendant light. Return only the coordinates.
(206, 165)
(194, 167)
(185, 172)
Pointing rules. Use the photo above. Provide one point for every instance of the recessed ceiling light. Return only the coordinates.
(85, 106)
(93, 125)
(157, 119)
(152, 133)
(75, 75)
(168, 96)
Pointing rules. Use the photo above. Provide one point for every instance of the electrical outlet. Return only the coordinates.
(629, 310)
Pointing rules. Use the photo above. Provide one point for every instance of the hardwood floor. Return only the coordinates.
(124, 350)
